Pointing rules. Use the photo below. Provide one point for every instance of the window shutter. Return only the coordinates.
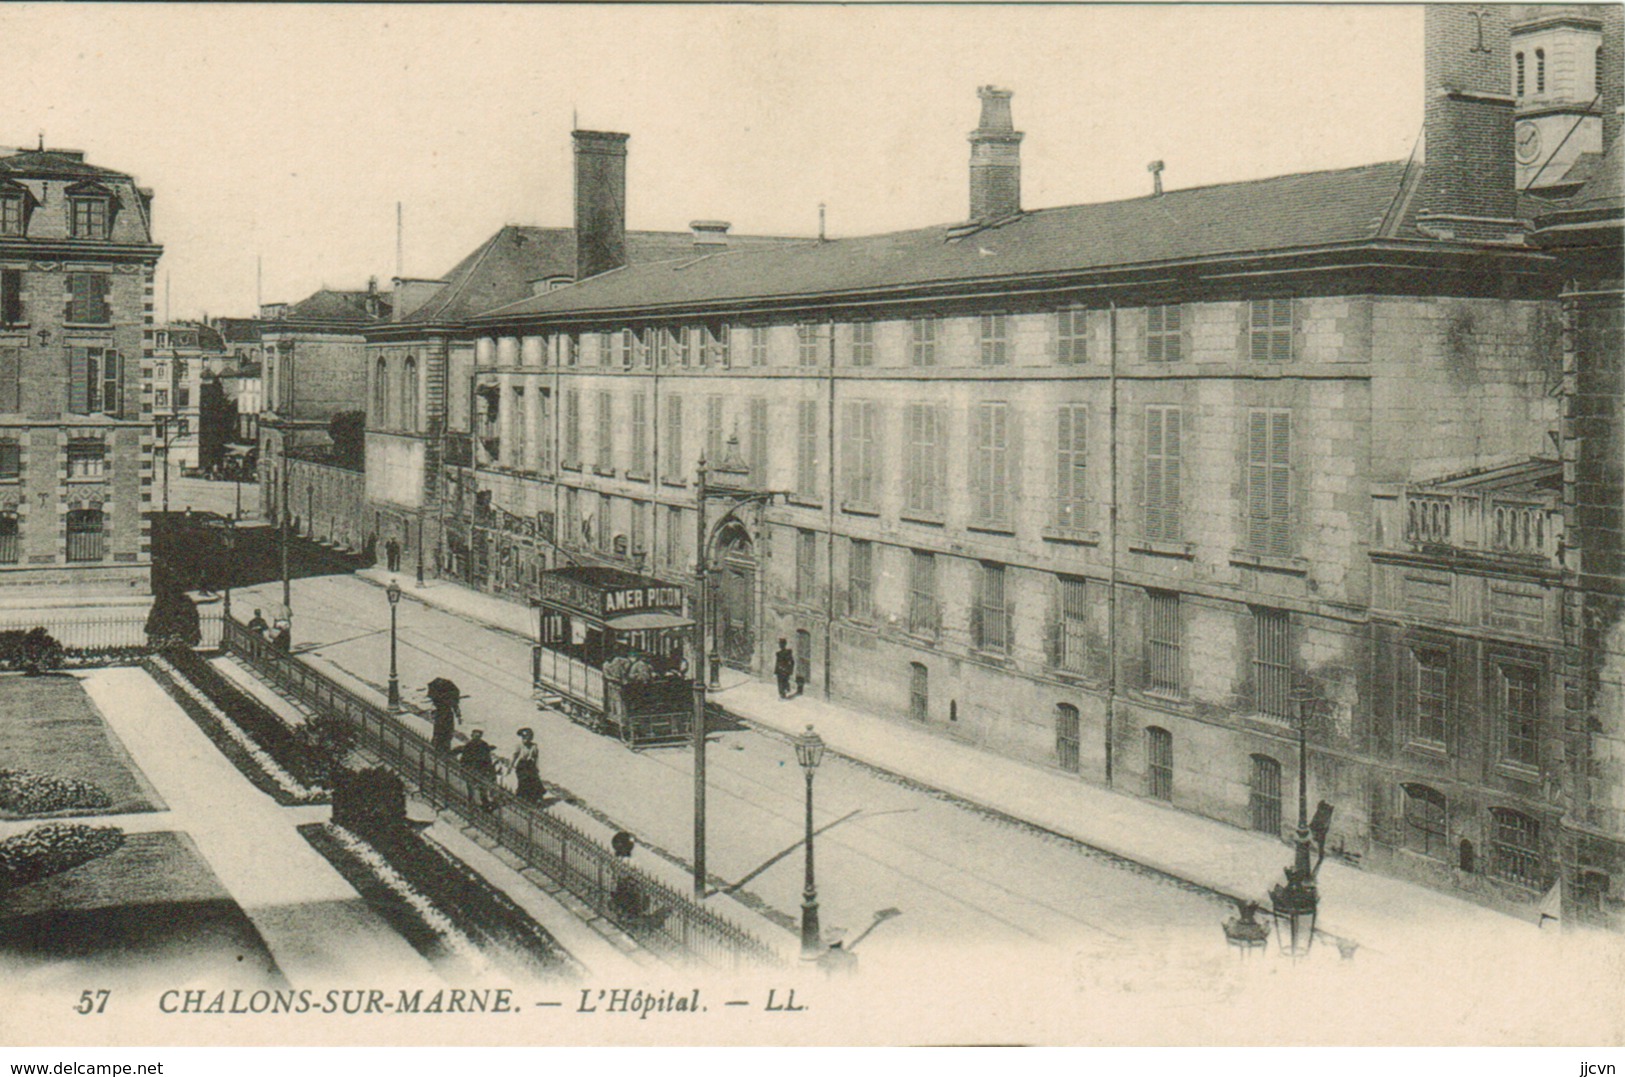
(101, 287)
(1173, 350)
(852, 420)
(1154, 498)
(78, 381)
(939, 460)
(10, 379)
(1280, 482)
(11, 296)
(1258, 332)
(1171, 502)
(70, 307)
(1153, 331)
(112, 382)
(1258, 480)
(1281, 331)
(976, 423)
(1012, 462)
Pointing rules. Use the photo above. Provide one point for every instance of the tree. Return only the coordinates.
(216, 422)
(348, 429)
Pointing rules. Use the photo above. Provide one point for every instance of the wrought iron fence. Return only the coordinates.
(93, 635)
(656, 915)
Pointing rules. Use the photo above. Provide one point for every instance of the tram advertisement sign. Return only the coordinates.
(609, 602)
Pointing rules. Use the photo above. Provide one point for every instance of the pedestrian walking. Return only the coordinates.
(447, 700)
(258, 623)
(478, 757)
(627, 899)
(392, 552)
(526, 773)
(784, 667)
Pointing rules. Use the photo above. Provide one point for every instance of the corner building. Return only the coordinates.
(76, 442)
(1104, 487)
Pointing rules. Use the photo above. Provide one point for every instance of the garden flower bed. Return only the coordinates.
(255, 740)
(51, 848)
(441, 906)
(27, 792)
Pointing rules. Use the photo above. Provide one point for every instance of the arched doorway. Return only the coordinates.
(735, 624)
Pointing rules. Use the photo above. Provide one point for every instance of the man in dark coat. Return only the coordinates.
(784, 667)
(446, 698)
(478, 757)
(392, 553)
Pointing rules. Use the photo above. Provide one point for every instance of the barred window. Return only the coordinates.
(1264, 794)
(923, 346)
(863, 343)
(1068, 737)
(1272, 662)
(1515, 848)
(1520, 715)
(1431, 702)
(1072, 335)
(1163, 640)
(1269, 323)
(922, 594)
(994, 331)
(11, 460)
(1159, 763)
(860, 578)
(991, 625)
(1163, 342)
(85, 535)
(1426, 821)
(1072, 629)
(1071, 467)
(10, 536)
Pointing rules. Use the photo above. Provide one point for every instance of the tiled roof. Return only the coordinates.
(500, 270)
(52, 162)
(1280, 213)
(238, 330)
(328, 305)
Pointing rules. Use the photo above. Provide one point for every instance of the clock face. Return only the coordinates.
(1527, 136)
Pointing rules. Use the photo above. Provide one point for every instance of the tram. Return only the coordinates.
(612, 653)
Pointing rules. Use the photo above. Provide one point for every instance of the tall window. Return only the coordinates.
(640, 434)
(713, 429)
(567, 349)
(85, 538)
(758, 442)
(991, 625)
(860, 451)
(686, 338)
(990, 472)
(673, 463)
(807, 449)
(1272, 661)
(1269, 330)
(923, 346)
(1540, 70)
(806, 566)
(1163, 640)
(919, 694)
(922, 594)
(860, 578)
(1515, 848)
(521, 429)
(381, 393)
(1430, 705)
(1264, 795)
(625, 349)
(90, 217)
(409, 394)
(1071, 467)
(11, 379)
(719, 345)
(1520, 715)
(1072, 335)
(674, 538)
(11, 296)
(1068, 737)
(10, 539)
(1159, 763)
(572, 427)
(1163, 342)
(640, 529)
(758, 345)
(1518, 73)
(1072, 625)
(544, 430)
(1269, 482)
(661, 346)
(927, 459)
(87, 458)
(1162, 480)
(1426, 819)
(994, 329)
(87, 298)
(11, 460)
(606, 431)
(606, 524)
(863, 343)
(807, 344)
(11, 214)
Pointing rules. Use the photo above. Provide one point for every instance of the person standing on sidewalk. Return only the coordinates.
(446, 698)
(784, 667)
(478, 757)
(526, 768)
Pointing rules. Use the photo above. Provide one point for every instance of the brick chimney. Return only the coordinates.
(1611, 93)
(600, 202)
(1468, 190)
(995, 159)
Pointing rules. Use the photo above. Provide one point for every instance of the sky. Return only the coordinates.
(285, 135)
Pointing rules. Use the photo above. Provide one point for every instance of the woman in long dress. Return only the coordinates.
(527, 776)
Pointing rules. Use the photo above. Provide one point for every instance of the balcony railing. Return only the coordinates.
(1483, 521)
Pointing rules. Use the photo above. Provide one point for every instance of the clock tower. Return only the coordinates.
(1565, 80)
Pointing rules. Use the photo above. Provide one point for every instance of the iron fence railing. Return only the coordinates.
(656, 915)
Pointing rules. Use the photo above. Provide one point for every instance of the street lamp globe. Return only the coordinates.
(394, 592)
(809, 750)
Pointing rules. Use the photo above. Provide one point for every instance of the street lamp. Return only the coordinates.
(809, 753)
(394, 593)
(229, 540)
(1295, 903)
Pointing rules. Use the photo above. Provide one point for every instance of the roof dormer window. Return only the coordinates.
(13, 208)
(90, 209)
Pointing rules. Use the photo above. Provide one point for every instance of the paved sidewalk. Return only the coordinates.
(1363, 906)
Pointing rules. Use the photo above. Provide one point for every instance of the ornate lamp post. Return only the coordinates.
(394, 593)
(809, 753)
(1295, 903)
(229, 540)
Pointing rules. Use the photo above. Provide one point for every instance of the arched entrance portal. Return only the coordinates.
(735, 624)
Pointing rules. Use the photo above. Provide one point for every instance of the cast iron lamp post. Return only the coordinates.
(229, 540)
(809, 753)
(1296, 902)
(394, 593)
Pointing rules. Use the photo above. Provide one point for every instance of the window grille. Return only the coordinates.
(1068, 737)
(1272, 662)
(1264, 795)
(85, 536)
(1163, 642)
(1072, 643)
(1159, 763)
(992, 626)
(1515, 848)
(860, 578)
(922, 594)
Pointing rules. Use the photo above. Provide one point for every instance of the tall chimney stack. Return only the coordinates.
(1468, 182)
(995, 159)
(600, 202)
